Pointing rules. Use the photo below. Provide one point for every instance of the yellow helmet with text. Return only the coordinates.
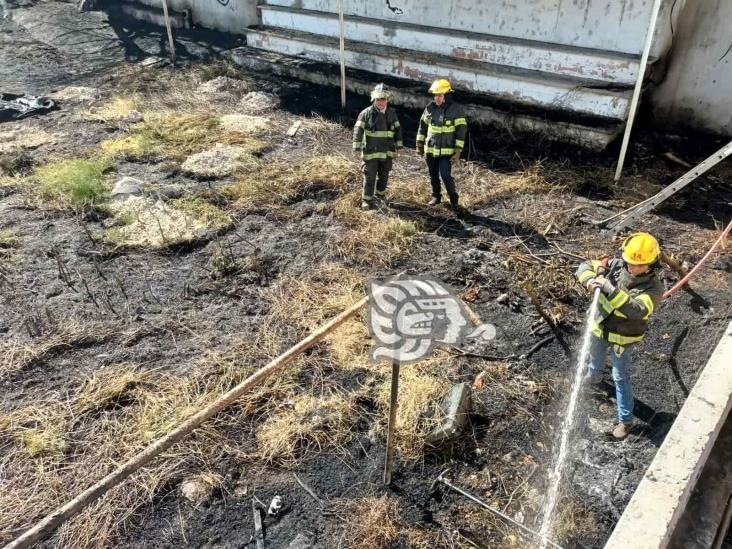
(440, 86)
(641, 249)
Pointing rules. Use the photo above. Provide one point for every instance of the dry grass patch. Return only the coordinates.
(55, 449)
(316, 296)
(180, 135)
(378, 242)
(480, 186)
(274, 184)
(116, 109)
(421, 388)
(130, 147)
(373, 523)
(9, 244)
(310, 424)
(575, 521)
(203, 208)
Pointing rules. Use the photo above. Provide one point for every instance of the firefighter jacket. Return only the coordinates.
(378, 135)
(622, 317)
(442, 129)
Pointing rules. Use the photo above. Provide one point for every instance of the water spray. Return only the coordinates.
(568, 423)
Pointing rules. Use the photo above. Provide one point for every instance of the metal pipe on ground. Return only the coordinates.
(524, 529)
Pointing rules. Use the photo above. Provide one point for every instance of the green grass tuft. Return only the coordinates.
(73, 182)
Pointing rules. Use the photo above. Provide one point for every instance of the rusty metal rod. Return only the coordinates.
(392, 422)
(496, 512)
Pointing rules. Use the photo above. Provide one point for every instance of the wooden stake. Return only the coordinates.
(341, 30)
(258, 530)
(392, 422)
(170, 31)
(529, 289)
(53, 520)
(638, 87)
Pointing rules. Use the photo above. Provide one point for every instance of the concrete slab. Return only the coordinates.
(530, 88)
(616, 68)
(654, 510)
(456, 407)
(592, 135)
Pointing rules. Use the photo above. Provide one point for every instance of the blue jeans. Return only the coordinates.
(621, 373)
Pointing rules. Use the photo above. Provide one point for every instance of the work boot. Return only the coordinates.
(382, 201)
(366, 205)
(434, 202)
(621, 431)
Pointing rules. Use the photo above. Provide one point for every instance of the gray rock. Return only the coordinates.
(133, 117)
(196, 491)
(223, 85)
(258, 102)
(126, 187)
(503, 298)
(301, 541)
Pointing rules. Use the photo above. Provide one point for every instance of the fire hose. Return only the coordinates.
(684, 280)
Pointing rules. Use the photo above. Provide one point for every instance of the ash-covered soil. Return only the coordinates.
(74, 306)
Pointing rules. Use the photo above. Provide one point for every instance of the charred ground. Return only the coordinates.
(108, 343)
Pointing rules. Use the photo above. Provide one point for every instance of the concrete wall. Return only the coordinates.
(224, 15)
(614, 25)
(697, 90)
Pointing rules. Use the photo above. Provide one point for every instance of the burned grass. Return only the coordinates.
(17, 355)
(55, 448)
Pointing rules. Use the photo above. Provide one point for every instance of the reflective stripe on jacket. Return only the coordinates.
(442, 130)
(378, 135)
(622, 317)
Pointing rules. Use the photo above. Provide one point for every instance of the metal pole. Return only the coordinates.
(638, 87)
(392, 422)
(170, 31)
(341, 30)
(504, 516)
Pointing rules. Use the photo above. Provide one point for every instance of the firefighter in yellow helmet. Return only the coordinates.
(441, 138)
(630, 291)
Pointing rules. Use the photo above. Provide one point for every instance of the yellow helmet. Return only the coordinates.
(641, 249)
(440, 86)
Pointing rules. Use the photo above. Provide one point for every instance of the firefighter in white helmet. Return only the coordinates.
(377, 137)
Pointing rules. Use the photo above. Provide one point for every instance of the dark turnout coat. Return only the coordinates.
(378, 135)
(622, 317)
(442, 130)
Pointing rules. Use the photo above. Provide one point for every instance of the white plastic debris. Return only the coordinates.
(275, 506)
